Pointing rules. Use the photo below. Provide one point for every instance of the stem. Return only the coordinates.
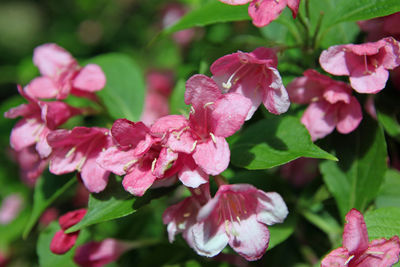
(220, 180)
(317, 29)
(306, 27)
(308, 9)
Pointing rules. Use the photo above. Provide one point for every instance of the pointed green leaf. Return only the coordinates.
(273, 142)
(355, 180)
(124, 92)
(389, 195)
(383, 222)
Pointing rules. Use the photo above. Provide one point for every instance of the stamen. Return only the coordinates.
(194, 146)
(70, 152)
(208, 104)
(228, 83)
(129, 164)
(227, 227)
(213, 138)
(375, 252)
(366, 65)
(153, 164)
(187, 214)
(192, 110)
(80, 164)
(349, 259)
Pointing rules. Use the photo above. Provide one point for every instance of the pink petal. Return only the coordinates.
(115, 160)
(264, 11)
(94, 177)
(71, 218)
(391, 58)
(56, 113)
(169, 123)
(127, 133)
(192, 177)
(337, 257)
(138, 180)
(212, 157)
(235, 2)
(164, 162)
(271, 208)
(209, 238)
(276, 99)
(294, 6)
(349, 116)
(249, 238)
(63, 161)
(337, 92)
(156, 105)
(24, 110)
(381, 252)
(355, 235)
(201, 90)
(303, 90)
(62, 243)
(370, 83)
(42, 87)
(250, 88)
(229, 114)
(319, 119)
(334, 60)
(25, 133)
(10, 208)
(51, 59)
(91, 79)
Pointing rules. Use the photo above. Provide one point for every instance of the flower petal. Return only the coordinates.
(276, 98)
(212, 157)
(271, 208)
(201, 90)
(138, 180)
(93, 176)
(91, 79)
(349, 116)
(355, 235)
(319, 119)
(209, 239)
(42, 87)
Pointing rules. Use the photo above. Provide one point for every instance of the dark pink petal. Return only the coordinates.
(224, 67)
(97, 254)
(56, 113)
(276, 99)
(42, 87)
(138, 180)
(71, 218)
(127, 133)
(94, 177)
(349, 116)
(24, 110)
(201, 90)
(91, 79)
(381, 252)
(62, 243)
(115, 160)
(369, 82)
(355, 235)
(303, 90)
(337, 92)
(337, 257)
(319, 119)
(294, 6)
(229, 114)
(264, 56)
(212, 157)
(334, 60)
(51, 59)
(249, 238)
(264, 11)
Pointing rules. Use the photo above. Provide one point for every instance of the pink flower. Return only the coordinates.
(49, 215)
(366, 64)
(356, 250)
(97, 254)
(61, 75)
(137, 155)
(254, 75)
(263, 12)
(62, 242)
(78, 149)
(331, 104)
(159, 87)
(171, 14)
(181, 217)
(31, 165)
(39, 118)
(10, 208)
(378, 28)
(238, 215)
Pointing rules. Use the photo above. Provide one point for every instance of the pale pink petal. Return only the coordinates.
(224, 67)
(115, 160)
(271, 208)
(94, 177)
(334, 60)
(349, 116)
(276, 99)
(138, 180)
(201, 90)
(25, 133)
(337, 257)
(212, 157)
(64, 161)
(319, 119)
(192, 177)
(264, 11)
(10, 208)
(42, 87)
(164, 162)
(337, 92)
(229, 114)
(369, 82)
(91, 79)
(391, 57)
(51, 59)
(251, 89)
(235, 2)
(156, 105)
(169, 123)
(355, 235)
(249, 238)
(209, 239)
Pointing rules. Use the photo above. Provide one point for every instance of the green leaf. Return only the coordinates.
(383, 222)
(47, 189)
(274, 141)
(124, 92)
(389, 123)
(213, 12)
(355, 180)
(114, 202)
(281, 232)
(389, 193)
(176, 103)
(346, 10)
(48, 258)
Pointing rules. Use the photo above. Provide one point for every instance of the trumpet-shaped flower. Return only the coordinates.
(366, 64)
(254, 75)
(331, 104)
(238, 215)
(356, 250)
(61, 75)
(264, 12)
(78, 149)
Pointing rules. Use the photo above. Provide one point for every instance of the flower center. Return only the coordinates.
(232, 208)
